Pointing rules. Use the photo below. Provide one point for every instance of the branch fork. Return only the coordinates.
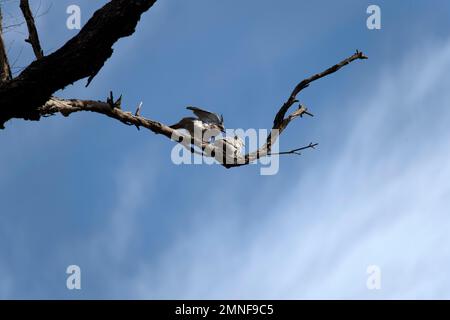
(85, 54)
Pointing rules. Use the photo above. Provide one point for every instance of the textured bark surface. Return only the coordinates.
(33, 38)
(30, 95)
(82, 56)
(114, 110)
(5, 70)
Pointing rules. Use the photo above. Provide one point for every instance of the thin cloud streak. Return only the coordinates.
(382, 199)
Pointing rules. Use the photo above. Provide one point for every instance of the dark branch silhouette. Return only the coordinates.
(5, 69)
(33, 38)
(82, 56)
(30, 95)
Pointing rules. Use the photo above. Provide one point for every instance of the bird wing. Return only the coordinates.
(206, 116)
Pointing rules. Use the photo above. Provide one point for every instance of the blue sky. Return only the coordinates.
(89, 191)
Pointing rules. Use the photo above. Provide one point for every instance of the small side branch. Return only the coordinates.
(296, 151)
(306, 82)
(5, 70)
(82, 56)
(113, 109)
(33, 37)
(281, 121)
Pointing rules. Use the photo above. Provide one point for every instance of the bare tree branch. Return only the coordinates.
(33, 37)
(113, 109)
(110, 108)
(35, 15)
(5, 69)
(296, 151)
(29, 96)
(279, 118)
(82, 56)
(281, 121)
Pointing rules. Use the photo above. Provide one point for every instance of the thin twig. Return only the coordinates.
(138, 110)
(138, 113)
(5, 69)
(33, 37)
(296, 151)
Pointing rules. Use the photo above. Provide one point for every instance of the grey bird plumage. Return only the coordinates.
(207, 123)
(207, 116)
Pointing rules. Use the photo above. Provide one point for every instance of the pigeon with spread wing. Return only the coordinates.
(207, 123)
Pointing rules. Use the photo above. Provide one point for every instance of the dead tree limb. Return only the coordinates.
(114, 110)
(281, 121)
(33, 38)
(279, 118)
(30, 95)
(5, 69)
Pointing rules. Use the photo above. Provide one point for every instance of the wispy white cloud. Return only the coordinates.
(383, 199)
(135, 184)
(6, 280)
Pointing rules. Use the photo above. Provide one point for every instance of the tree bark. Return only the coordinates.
(33, 38)
(5, 70)
(82, 56)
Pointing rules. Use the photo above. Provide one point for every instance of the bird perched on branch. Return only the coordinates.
(207, 123)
